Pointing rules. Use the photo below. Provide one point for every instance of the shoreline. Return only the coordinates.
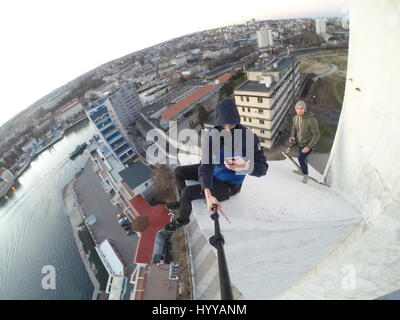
(74, 213)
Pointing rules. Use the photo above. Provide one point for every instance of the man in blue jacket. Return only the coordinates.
(223, 166)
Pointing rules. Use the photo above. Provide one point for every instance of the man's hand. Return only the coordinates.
(292, 139)
(305, 149)
(211, 200)
(238, 164)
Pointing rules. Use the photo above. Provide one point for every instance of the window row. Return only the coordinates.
(260, 121)
(260, 111)
(259, 99)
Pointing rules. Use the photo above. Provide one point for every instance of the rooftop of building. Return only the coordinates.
(193, 97)
(155, 283)
(114, 264)
(157, 218)
(73, 103)
(275, 235)
(118, 285)
(136, 174)
(269, 64)
(151, 109)
(255, 86)
(217, 71)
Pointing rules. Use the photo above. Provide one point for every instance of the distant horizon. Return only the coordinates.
(54, 61)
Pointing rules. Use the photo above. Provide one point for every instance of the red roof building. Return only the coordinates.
(192, 98)
(157, 218)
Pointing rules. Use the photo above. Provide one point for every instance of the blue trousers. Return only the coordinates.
(303, 159)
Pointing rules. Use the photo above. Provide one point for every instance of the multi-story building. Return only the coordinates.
(320, 26)
(228, 36)
(264, 38)
(110, 130)
(264, 100)
(180, 61)
(124, 107)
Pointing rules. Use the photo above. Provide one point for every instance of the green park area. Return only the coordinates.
(328, 92)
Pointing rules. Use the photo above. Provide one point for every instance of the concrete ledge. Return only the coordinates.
(280, 229)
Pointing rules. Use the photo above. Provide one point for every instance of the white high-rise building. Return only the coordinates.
(320, 26)
(345, 23)
(264, 38)
(228, 36)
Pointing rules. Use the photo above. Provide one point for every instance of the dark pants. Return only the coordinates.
(303, 160)
(221, 190)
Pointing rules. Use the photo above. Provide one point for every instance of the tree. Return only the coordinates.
(162, 187)
(230, 85)
(202, 114)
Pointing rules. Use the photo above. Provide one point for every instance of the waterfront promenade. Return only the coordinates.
(75, 215)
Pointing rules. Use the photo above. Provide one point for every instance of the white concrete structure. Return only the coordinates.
(264, 38)
(364, 162)
(110, 259)
(117, 287)
(274, 237)
(320, 26)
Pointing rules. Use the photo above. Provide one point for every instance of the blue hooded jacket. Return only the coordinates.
(226, 112)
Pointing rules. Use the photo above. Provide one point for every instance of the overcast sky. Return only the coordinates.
(45, 44)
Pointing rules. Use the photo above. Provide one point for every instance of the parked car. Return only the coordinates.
(126, 223)
(121, 215)
(122, 220)
(126, 228)
(128, 232)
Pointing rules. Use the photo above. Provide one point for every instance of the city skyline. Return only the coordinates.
(48, 45)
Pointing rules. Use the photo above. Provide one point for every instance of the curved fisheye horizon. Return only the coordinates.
(47, 45)
(234, 151)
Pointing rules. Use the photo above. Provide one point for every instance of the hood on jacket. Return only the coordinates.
(226, 112)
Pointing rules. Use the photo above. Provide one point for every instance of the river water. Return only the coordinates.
(35, 231)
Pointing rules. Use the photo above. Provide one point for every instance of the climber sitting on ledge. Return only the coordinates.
(229, 152)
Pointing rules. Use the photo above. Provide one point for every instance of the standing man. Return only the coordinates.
(305, 132)
(220, 175)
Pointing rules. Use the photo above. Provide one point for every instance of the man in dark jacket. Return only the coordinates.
(305, 132)
(223, 165)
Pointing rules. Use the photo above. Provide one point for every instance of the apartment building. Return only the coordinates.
(110, 133)
(264, 38)
(265, 99)
(124, 107)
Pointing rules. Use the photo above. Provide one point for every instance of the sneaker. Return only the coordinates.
(175, 225)
(172, 205)
(305, 178)
(298, 171)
